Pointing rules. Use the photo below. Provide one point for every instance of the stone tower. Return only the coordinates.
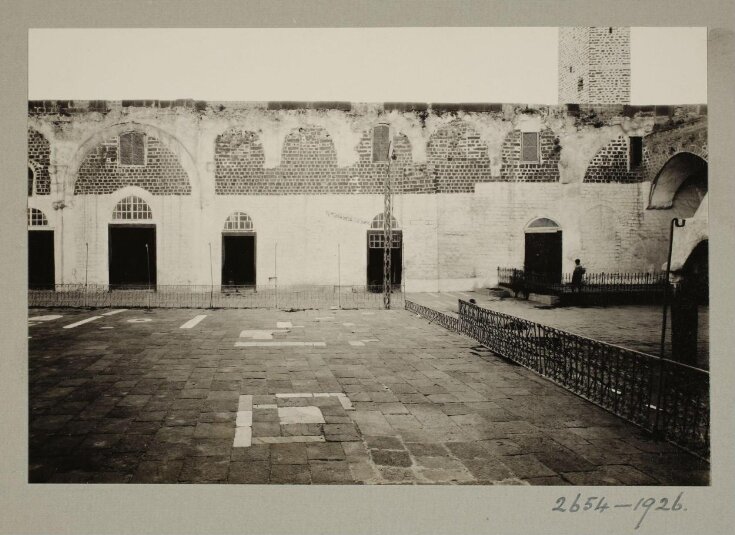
(594, 65)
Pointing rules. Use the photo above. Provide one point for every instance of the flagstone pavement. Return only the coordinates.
(320, 397)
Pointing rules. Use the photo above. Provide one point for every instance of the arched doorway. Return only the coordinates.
(543, 247)
(132, 245)
(375, 245)
(238, 251)
(40, 251)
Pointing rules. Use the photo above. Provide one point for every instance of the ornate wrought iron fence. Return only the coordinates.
(598, 288)
(204, 296)
(666, 397)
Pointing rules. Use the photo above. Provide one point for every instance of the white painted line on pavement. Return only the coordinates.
(245, 403)
(193, 321)
(288, 440)
(113, 312)
(244, 418)
(265, 406)
(284, 324)
(243, 437)
(50, 317)
(82, 322)
(353, 343)
(280, 344)
(293, 395)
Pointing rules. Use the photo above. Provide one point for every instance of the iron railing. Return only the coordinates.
(666, 397)
(205, 296)
(596, 288)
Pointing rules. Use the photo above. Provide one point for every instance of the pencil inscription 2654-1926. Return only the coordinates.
(600, 504)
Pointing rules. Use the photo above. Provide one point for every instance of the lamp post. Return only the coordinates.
(387, 232)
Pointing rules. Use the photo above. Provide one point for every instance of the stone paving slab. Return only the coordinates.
(115, 401)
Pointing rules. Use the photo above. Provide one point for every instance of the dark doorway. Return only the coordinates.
(543, 255)
(690, 294)
(238, 259)
(375, 260)
(132, 256)
(41, 259)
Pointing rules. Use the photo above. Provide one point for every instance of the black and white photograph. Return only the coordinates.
(468, 257)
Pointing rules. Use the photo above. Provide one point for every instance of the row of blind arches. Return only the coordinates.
(134, 208)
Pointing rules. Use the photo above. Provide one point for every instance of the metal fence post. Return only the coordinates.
(675, 222)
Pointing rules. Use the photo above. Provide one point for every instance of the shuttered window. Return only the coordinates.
(635, 152)
(381, 143)
(529, 147)
(132, 148)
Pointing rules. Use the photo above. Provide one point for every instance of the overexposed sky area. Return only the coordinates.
(668, 65)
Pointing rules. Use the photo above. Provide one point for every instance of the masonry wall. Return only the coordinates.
(594, 65)
(308, 180)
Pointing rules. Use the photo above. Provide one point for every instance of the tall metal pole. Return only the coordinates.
(675, 222)
(387, 233)
(148, 265)
(339, 278)
(211, 278)
(86, 271)
(275, 270)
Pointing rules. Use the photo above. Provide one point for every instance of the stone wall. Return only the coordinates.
(39, 156)
(101, 172)
(307, 178)
(594, 65)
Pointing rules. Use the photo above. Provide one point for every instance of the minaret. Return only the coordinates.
(594, 65)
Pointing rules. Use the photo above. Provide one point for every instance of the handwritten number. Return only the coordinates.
(602, 505)
(560, 504)
(575, 504)
(588, 504)
(664, 503)
(676, 506)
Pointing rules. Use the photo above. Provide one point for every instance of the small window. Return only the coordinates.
(580, 84)
(239, 221)
(132, 149)
(609, 30)
(381, 143)
(377, 223)
(31, 182)
(132, 208)
(635, 152)
(36, 218)
(529, 147)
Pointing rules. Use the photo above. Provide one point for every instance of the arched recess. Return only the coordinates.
(183, 156)
(682, 181)
(375, 254)
(132, 244)
(543, 249)
(40, 251)
(238, 251)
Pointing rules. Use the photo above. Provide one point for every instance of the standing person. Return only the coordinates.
(578, 275)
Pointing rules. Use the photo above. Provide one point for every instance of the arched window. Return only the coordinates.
(543, 224)
(36, 218)
(377, 223)
(132, 208)
(239, 221)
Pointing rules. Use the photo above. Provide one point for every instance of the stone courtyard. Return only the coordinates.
(327, 396)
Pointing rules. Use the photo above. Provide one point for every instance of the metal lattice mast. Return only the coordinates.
(387, 233)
